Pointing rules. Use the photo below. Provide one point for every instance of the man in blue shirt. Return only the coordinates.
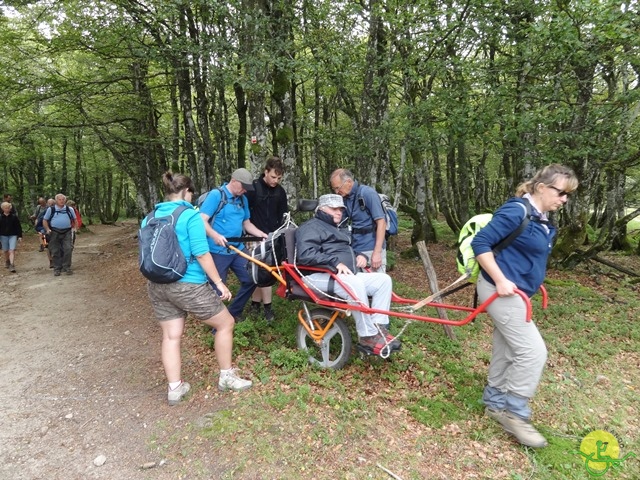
(368, 220)
(230, 222)
(58, 222)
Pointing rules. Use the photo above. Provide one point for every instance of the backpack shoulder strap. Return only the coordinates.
(221, 204)
(513, 235)
(177, 212)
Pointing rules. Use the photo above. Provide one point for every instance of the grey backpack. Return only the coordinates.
(160, 257)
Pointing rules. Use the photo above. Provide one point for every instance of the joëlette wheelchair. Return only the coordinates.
(322, 330)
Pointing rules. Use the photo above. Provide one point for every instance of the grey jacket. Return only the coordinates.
(319, 243)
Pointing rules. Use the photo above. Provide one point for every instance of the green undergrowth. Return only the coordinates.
(430, 392)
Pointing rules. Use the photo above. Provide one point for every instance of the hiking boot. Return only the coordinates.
(521, 429)
(254, 309)
(175, 396)
(12, 269)
(56, 273)
(268, 315)
(231, 381)
(376, 344)
(41, 248)
(69, 272)
(50, 263)
(393, 342)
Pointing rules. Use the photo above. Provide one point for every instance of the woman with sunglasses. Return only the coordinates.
(519, 352)
(192, 293)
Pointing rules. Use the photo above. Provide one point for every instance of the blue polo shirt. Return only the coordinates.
(363, 208)
(229, 220)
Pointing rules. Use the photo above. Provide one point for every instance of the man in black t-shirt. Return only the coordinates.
(267, 205)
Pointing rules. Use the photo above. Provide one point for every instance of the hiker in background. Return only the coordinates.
(10, 234)
(192, 293)
(368, 221)
(519, 352)
(72, 204)
(230, 221)
(44, 237)
(38, 213)
(267, 206)
(7, 197)
(41, 206)
(319, 243)
(59, 220)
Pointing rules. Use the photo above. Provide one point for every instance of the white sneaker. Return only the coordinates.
(230, 381)
(174, 396)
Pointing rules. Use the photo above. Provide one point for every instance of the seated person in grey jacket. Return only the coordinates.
(320, 243)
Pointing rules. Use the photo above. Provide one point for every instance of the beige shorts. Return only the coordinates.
(174, 300)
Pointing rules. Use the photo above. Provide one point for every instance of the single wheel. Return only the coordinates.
(334, 349)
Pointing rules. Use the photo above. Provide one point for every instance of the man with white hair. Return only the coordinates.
(320, 243)
(58, 222)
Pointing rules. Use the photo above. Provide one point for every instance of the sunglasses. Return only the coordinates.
(561, 193)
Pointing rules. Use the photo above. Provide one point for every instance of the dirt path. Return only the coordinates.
(74, 351)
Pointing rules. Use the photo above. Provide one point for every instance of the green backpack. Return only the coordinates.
(465, 259)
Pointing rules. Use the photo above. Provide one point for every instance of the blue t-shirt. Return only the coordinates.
(524, 261)
(229, 220)
(363, 207)
(192, 238)
(60, 219)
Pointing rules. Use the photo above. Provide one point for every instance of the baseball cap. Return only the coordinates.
(243, 176)
(331, 200)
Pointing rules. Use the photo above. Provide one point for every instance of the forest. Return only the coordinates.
(443, 105)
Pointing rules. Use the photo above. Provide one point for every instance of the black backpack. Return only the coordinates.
(160, 257)
(271, 252)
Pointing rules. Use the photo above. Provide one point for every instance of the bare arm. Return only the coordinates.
(209, 267)
(251, 229)
(217, 238)
(376, 256)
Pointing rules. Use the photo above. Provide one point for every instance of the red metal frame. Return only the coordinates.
(290, 271)
(286, 273)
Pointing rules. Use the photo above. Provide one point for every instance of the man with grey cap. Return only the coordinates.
(231, 221)
(320, 243)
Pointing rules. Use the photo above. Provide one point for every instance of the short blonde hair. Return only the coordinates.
(4, 205)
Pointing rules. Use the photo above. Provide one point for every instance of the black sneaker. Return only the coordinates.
(56, 273)
(41, 248)
(268, 315)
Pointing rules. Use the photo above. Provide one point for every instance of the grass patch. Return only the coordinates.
(301, 422)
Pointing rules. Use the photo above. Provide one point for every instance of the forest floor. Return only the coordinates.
(79, 359)
(82, 379)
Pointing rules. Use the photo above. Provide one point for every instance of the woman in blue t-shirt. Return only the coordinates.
(519, 353)
(192, 294)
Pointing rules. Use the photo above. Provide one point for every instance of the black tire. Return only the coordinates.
(335, 349)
